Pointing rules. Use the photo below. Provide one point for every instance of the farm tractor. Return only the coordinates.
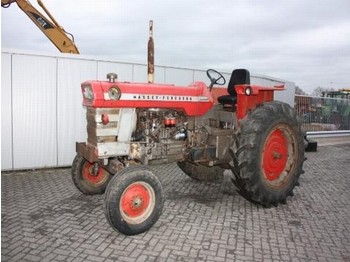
(133, 125)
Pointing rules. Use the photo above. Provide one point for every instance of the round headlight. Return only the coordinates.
(114, 93)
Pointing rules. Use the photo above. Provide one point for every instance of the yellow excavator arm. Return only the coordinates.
(63, 40)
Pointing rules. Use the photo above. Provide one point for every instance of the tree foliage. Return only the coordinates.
(299, 91)
(319, 91)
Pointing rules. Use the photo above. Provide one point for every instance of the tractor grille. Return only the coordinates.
(102, 125)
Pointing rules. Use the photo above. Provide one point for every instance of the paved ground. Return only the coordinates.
(44, 218)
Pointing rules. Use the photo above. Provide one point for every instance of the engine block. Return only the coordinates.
(159, 136)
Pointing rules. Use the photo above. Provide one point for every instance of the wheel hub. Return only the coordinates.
(92, 174)
(275, 155)
(135, 200)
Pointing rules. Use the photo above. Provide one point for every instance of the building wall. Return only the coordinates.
(41, 112)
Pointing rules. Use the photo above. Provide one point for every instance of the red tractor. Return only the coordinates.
(133, 125)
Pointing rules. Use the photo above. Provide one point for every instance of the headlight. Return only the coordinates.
(114, 93)
(87, 92)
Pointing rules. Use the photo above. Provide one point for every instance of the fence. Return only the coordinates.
(323, 113)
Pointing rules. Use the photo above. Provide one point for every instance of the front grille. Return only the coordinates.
(99, 132)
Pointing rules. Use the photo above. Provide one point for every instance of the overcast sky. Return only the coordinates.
(304, 41)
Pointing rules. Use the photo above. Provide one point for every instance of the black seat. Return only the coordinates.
(238, 77)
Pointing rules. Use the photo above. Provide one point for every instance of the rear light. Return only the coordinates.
(248, 91)
(87, 92)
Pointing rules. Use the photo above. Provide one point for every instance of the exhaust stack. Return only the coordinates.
(150, 56)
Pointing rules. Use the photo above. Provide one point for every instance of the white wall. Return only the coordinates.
(6, 112)
(41, 112)
(286, 96)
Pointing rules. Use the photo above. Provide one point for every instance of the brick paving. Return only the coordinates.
(45, 218)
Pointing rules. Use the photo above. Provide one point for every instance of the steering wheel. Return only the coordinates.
(215, 78)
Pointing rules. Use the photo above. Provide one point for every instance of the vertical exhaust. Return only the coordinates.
(150, 56)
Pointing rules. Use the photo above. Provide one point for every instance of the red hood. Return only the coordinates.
(194, 99)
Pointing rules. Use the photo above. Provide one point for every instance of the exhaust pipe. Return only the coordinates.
(150, 56)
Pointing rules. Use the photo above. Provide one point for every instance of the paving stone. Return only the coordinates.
(45, 218)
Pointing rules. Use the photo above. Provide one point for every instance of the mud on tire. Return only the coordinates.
(134, 200)
(200, 172)
(268, 154)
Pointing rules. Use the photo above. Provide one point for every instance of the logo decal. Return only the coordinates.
(42, 21)
(150, 97)
(162, 97)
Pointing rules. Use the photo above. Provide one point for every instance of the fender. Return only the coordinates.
(248, 100)
(251, 96)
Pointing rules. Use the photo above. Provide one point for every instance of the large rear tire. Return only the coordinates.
(134, 200)
(200, 172)
(84, 178)
(268, 154)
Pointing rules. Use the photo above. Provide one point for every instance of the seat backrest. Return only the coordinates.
(238, 77)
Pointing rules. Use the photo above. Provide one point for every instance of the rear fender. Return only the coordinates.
(251, 96)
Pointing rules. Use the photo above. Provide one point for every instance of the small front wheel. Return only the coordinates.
(86, 180)
(134, 200)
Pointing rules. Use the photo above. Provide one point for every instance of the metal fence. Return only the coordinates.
(323, 113)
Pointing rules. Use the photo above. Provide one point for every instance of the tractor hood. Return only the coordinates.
(194, 100)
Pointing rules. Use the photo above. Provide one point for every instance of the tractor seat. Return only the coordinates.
(238, 77)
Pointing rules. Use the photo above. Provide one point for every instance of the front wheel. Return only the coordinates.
(268, 154)
(86, 180)
(133, 200)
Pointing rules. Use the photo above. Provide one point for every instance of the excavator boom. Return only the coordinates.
(56, 34)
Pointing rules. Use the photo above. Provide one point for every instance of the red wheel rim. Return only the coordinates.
(275, 155)
(88, 174)
(137, 202)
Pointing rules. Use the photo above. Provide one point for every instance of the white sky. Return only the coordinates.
(304, 41)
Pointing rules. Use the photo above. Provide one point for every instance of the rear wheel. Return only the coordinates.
(200, 172)
(86, 180)
(133, 200)
(268, 154)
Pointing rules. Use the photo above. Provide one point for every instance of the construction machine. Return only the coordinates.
(63, 40)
